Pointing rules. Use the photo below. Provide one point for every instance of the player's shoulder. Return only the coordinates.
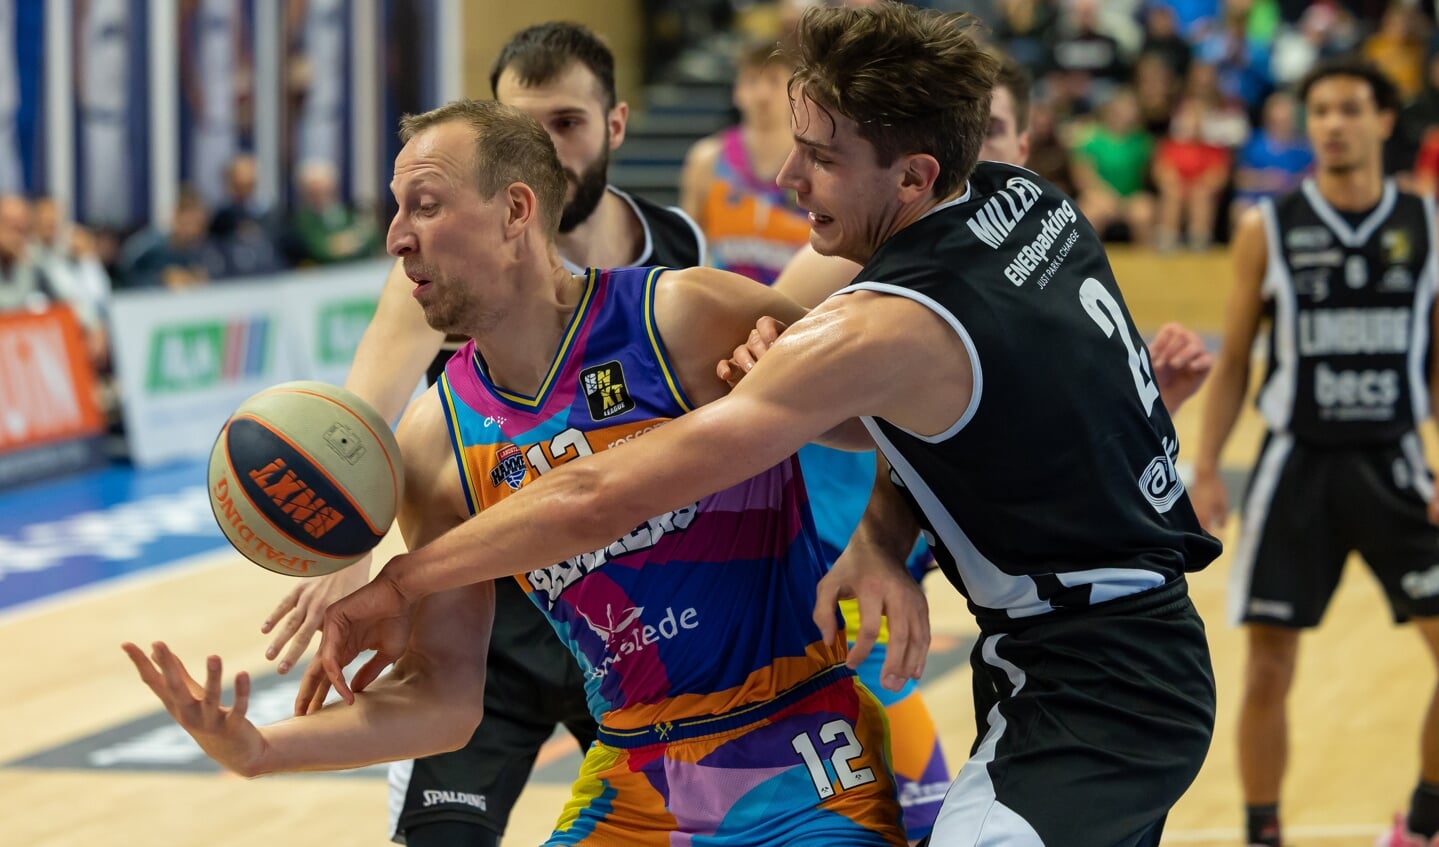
(689, 303)
(703, 154)
(424, 435)
(1250, 223)
(1412, 203)
(694, 291)
(424, 417)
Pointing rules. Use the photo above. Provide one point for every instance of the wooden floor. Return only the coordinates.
(1360, 692)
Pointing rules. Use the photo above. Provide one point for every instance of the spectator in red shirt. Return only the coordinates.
(1190, 174)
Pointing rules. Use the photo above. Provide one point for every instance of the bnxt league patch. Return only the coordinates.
(605, 390)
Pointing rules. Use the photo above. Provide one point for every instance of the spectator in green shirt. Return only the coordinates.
(1110, 165)
(324, 229)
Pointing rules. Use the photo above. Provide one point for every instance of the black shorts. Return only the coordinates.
(1307, 508)
(532, 685)
(1093, 723)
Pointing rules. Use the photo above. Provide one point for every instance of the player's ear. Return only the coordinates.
(618, 119)
(918, 176)
(521, 208)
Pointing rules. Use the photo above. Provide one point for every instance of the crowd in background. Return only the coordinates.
(1166, 118)
(45, 260)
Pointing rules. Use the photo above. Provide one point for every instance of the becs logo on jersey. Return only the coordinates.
(604, 387)
(509, 467)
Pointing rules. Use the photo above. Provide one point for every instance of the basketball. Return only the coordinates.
(305, 478)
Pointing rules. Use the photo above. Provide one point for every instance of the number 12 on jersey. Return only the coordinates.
(839, 760)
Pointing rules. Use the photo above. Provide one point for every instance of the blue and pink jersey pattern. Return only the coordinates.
(695, 612)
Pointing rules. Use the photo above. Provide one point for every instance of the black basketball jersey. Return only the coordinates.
(672, 238)
(1349, 304)
(1056, 488)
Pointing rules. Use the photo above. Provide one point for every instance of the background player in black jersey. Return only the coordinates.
(1344, 272)
(563, 76)
(995, 365)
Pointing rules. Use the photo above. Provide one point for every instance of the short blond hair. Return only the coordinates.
(510, 147)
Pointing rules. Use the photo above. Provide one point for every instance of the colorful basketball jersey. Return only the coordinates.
(839, 483)
(753, 226)
(693, 612)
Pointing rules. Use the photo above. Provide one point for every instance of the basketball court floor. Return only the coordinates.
(88, 758)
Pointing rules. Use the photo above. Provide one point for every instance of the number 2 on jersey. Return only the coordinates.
(839, 759)
(1102, 306)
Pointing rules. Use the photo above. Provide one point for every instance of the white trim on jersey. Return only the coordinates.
(649, 247)
(700, 239)
(1276, 398)
(1256, 513)
(971, 815)
(398, 778)
(643, 258)
(963, 198)
(1418, 468)
(1348, 235)
(1111, 583)
(988, 586)
(949, 318)
(1419, 335)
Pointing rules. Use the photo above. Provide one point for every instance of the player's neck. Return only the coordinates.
(519, 349)
(1354, 190)
(611, 237)
(911, 213)
(902, 216)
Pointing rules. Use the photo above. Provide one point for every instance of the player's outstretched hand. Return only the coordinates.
(303, 609)
(223, 733)
(376, 617)
(765, 331)
(1180, 363)
(883, 587)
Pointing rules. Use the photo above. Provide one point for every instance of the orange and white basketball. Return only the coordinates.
(305, 478)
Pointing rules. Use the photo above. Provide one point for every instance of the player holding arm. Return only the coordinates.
(560, 366)
(1040, 461)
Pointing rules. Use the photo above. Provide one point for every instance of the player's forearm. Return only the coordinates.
(397, 717)
(889, 525)
(573, 509)
(585, 505)
(1226, 395)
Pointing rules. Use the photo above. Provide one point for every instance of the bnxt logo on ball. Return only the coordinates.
(305, 478)
(292, 496)
(289, 489)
